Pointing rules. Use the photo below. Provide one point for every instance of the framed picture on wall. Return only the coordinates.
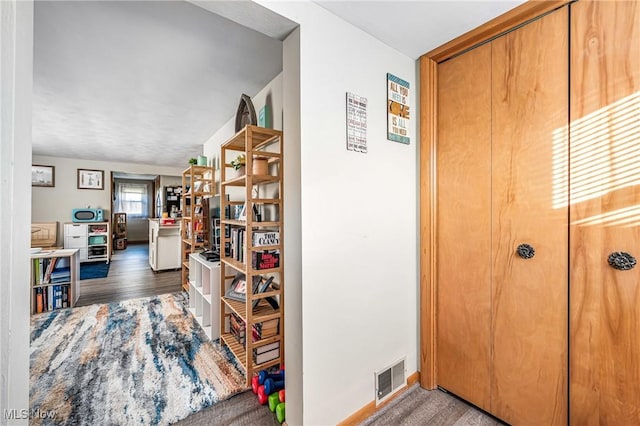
(90, 179)
(43, 175)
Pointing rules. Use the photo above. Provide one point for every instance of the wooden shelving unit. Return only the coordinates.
(119, 231)
(197, 186)
(263, 193)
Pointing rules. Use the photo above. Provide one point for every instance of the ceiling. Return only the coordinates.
(140, 82)
(150, 81)
(416, 27)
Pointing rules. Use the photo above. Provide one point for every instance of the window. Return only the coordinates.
(132, 199)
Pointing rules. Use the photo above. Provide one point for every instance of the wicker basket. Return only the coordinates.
(260, 166)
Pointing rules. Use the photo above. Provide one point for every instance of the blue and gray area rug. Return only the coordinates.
(143, 361)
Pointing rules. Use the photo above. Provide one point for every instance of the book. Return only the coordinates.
(264, 329)
(263, 286)
(36, 271)
(39, 300)
(50, 297)
(265, 238)
(238, 287)
(237, 328)
(269, 323)
(266, 348)
(266, 356)
(58, 292)
(256, 336)
(265, 259)
(60, 275)
(50, 266)
(242, 215)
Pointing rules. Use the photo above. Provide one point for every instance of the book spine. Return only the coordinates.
(266, 348)
(265, 238)
(58, 290)
(41, 268)
(266, 356)
(39, 301)
(266, 259)
(36, 271)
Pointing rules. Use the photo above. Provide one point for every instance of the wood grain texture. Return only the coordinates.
(129, 277)
(428, 127)
(493, 28)
(529, 297)
(464, 226)
(605, 212)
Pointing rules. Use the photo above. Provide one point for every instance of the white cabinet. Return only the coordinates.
(204, 294)
(75, 237)
(164, 246)
(92, 240)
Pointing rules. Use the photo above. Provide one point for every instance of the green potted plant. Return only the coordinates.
(238, 164)
(193, 161)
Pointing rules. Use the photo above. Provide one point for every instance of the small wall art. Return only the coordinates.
(43, 175)
(398, 116)
(356, 123)
(90, 179)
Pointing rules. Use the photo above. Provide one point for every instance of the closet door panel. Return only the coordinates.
(464, 225)
(605, 212)
(529, 206)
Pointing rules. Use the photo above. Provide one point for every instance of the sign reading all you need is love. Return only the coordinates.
(397, 109)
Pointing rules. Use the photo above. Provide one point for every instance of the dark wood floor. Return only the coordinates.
(130, 277)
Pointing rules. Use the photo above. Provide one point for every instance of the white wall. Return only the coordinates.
(171, 180)
(292, 228)
(55, 204)
(272, 93)
(359, 241)
(16, 74)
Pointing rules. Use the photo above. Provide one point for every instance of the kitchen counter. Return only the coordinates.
(164, 245)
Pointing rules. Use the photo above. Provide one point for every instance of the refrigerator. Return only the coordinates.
(168, 200)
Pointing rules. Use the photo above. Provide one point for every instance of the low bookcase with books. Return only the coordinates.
(252, 284)
(54, 280)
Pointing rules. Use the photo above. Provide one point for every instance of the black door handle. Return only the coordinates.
(622, 261)
(525, 251)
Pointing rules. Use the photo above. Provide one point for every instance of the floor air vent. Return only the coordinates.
(389, 380)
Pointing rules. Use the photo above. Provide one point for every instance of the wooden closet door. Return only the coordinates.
(464, 225)
(529, 206)
(605, 212)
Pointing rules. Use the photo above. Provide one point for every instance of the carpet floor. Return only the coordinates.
(142, 361)
(239, 410)
(417, 407)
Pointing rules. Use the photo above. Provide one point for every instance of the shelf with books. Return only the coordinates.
(54, 280)
(198, 185)
(253, 234)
